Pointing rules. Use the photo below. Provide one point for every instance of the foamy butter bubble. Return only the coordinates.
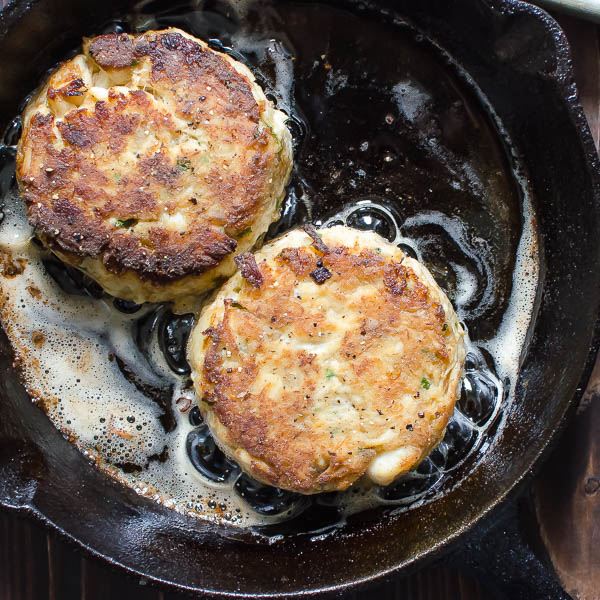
(466, 287)
(467, 284)
(15, 232)
(410, 99)
(507, 345)
(73, 351)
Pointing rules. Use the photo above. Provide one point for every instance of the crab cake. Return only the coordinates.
(327, 357)
(149, 160)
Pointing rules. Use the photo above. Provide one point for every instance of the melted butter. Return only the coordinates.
(68, 348)
(76, 349)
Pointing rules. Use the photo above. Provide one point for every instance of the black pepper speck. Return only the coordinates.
(321, 275)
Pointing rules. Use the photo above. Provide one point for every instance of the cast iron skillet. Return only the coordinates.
(519, 58)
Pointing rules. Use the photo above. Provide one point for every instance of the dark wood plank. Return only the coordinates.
(568, 501)
(435, 583)
(101, 582)
(64, 569)
(24, 559)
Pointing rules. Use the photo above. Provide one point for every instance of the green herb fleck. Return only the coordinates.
(445, 326)
(274, 135)
(329, 374)
(117, 176)
(378, 250)
(238, 305)
(243, 233)
(126, 223)
(425, 383)
(134, 63)
(184, 164)
(259, 240)
(205, 159)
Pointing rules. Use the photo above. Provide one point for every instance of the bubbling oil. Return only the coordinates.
(391, 137)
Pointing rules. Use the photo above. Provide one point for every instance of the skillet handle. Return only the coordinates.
(584, 9)
(508, 557)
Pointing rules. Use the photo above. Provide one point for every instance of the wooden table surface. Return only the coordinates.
(36, 564)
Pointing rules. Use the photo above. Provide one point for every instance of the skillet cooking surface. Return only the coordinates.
(405, 148)
(518, 60)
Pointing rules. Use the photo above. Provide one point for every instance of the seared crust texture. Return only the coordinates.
(148, 160)
(345, 361)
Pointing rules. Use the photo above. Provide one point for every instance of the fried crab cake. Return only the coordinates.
(149, 160)
(327, 357)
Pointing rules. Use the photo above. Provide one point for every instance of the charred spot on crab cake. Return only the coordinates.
(149, 160)
(343, 359)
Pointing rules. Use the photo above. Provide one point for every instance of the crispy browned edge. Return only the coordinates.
(247, 429)
(65, 227)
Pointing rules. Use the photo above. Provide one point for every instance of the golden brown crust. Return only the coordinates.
(305, 384)
(112, 50)
(165, 172)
